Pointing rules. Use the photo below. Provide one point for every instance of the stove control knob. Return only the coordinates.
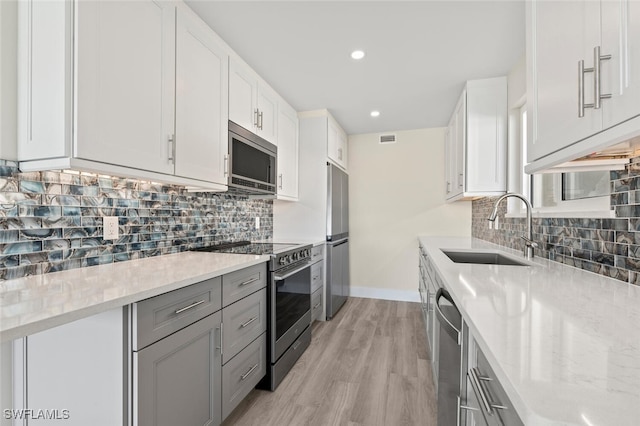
(307, 253)
(294, 256)
(282, 261)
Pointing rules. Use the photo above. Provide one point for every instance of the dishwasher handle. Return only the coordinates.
(448, 326)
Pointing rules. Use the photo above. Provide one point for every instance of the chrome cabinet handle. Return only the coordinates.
(220, 347)
(226, 165)
(317, 305)
(448, 187)
(245, 375)
(581, 71)
(597, 60)
(255, 118)
(242, 284)
(460, 179)
(260, 120)
(172, 149)
(280, 176)
(475, 379)
(191, 306)
(248, 322)
(339, 153)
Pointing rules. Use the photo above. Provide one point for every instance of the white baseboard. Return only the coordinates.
(385, 294)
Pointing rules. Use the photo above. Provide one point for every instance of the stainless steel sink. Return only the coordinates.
(483, 258)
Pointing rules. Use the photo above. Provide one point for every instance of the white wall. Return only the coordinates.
(396, 192)
(8, 83)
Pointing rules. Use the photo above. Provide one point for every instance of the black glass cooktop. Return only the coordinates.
(247, 247)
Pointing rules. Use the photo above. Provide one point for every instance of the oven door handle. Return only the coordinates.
(278, 277)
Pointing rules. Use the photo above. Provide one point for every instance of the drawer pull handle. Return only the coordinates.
(317, 305)
(245, 375)
(249, 281)
(191, 306)
(248, 322)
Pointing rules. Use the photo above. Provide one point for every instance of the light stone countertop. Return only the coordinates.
(36, 303)
(563, 342)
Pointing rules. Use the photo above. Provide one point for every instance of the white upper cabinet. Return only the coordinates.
(287, 153)
(454, 149)
(476, 141)
(202, 85)
(252, 103)
(124, 84)
(336, 143)
(131, 115)
(582, 79)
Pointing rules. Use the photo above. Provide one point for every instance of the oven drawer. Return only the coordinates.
(316, 305)
(317, 253)
(317, 276)
(159, 316)
(242, 322)
(239, 284)
(242, 374)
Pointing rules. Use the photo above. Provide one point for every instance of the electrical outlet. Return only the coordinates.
(110, 228)
(257, 223)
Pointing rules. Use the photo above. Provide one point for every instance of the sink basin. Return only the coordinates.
(483, 258)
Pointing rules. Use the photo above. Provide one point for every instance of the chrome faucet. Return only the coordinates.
(529, 244)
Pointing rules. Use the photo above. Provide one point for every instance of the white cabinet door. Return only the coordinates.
(201, 101)
(561, 35)
(620, 75)
(336, 143)
(485, 154)
(125, 79)
(267, 106)
(455, 150)
(243, 89)
(287, 153)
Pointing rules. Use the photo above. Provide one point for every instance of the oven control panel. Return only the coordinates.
(292, 256)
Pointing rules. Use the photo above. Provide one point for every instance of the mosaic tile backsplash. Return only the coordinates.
(609, 247)
(52, 221)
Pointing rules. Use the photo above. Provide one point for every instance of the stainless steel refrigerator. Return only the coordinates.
(337, 239)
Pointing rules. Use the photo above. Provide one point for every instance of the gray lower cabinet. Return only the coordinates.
(178, 378)
(317, 283)
(316, 305)
(487, 402)
(428, 287)
(199, 350)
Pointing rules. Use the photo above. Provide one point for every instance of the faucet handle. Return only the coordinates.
(529, 243)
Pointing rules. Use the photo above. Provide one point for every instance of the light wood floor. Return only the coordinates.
(368, 366)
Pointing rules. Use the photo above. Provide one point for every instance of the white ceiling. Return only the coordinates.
(418, 53)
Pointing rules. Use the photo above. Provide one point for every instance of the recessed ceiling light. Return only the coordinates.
(357, 54)
(375, 113)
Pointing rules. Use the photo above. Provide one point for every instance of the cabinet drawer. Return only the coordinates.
(242, 322)
(316, 305)
(239, 284)
(317, 253)
(242, 374)
(167, 313)
(317, 276)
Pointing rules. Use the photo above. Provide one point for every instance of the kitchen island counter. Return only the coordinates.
(563, 342)
(36, 303)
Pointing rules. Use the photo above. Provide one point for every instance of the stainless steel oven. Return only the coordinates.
(289, 309)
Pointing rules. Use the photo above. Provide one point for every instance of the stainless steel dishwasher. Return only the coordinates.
(452, 360)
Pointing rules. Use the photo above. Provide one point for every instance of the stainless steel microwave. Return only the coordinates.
(252, 162)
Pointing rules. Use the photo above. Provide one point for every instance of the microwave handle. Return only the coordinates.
(226, 164)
